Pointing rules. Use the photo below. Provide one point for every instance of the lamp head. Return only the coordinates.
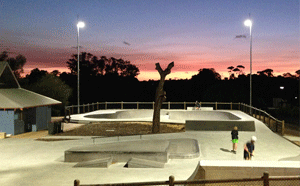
(80, 24)
(248, 22)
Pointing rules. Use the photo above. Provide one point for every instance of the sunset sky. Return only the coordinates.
(194, 34)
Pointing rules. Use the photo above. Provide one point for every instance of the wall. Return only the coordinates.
(7, 121)
(43, 117)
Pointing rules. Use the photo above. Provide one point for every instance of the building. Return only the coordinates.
(21, 110)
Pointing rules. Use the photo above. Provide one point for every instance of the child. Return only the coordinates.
(235, 138)
(249, 148)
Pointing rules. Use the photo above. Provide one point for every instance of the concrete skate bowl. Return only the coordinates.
(180, 115)
(194, 120)
(121, 114)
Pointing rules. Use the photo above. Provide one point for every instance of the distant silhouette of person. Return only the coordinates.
(235, 138)
(197, 105)
(249, 148)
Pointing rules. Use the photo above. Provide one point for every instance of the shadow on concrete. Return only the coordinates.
(295, 158)
(225, 150)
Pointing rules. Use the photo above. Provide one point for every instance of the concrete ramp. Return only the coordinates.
(219, 125)
(153, 150)
(98, 163)
(142, 163)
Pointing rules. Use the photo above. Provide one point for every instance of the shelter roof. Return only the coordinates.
(17, 98)
(12, 96)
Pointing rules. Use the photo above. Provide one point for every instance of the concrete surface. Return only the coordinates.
(155, 150)
(99, 163)
(28, 162)
(207, 125)
(142, 163)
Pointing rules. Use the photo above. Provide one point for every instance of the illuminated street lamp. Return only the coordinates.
(79, 25)
(248, 23)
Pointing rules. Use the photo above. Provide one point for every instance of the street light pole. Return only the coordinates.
(248, 22)
(79, 25)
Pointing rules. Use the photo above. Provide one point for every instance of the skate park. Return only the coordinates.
(197, 153)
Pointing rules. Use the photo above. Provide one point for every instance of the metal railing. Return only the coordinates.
(273, 123)
(263, 181)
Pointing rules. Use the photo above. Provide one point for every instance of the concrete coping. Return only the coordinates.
(250, 163)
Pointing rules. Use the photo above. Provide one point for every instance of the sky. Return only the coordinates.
(195, 34)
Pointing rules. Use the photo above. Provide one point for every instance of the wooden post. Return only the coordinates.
(266, 178)
(137, 105)
(121, 104)
(72, 109)
(88, 105)
(169, 105)
(260, 115)
(282, 128)
(105, 105)
(171, 180)
(69, 116)
(230, 105)
(66, 112)
(76, 183)
(21, 114)
(269, 122)
(239, 106)
(184, 105)
(216, 105)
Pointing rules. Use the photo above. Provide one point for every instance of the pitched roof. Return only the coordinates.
(16, 98)
(12, 96)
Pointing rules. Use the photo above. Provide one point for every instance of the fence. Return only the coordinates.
(274, 124)
(265, 180)
(73, 109)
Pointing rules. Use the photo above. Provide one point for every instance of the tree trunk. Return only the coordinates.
(160, 96)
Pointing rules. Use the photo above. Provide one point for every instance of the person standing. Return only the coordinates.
(249, 148)
(235, 139)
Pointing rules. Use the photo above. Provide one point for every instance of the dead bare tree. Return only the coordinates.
(160, 96)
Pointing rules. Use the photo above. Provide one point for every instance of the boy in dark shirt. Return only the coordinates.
(235, 139)
(249, 149)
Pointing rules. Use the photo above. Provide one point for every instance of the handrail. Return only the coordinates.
(262, 112)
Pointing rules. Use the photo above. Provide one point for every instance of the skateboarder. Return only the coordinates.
(235, 138)
(197, 105)
(249, 148)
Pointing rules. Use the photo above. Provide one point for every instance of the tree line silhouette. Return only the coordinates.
(111, 79)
